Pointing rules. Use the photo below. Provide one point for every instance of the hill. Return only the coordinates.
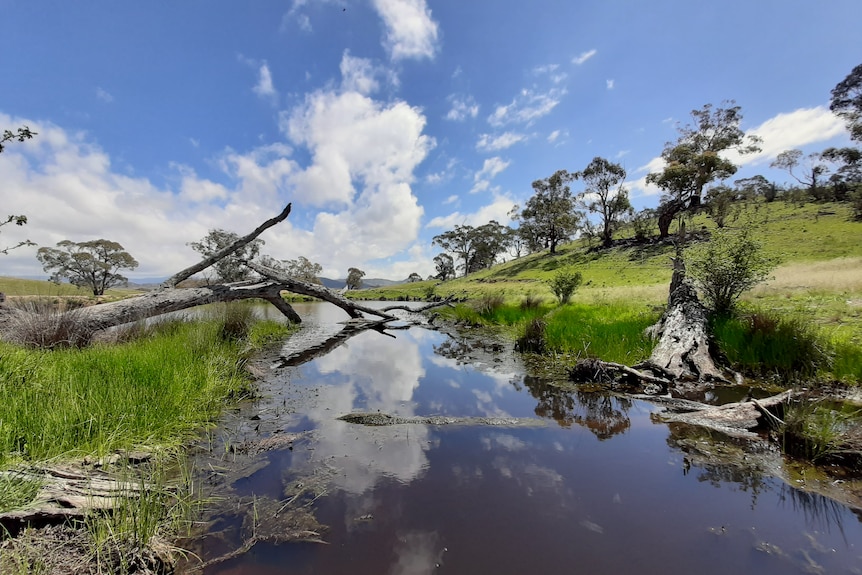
(820, 275)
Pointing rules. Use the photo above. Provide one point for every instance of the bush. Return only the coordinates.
(730, 263)
(564, 283)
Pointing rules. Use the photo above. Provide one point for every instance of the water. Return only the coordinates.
(600, 488)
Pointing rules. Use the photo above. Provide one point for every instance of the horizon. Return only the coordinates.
(385, 122)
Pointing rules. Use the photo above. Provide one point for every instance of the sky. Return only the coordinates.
(384, 122)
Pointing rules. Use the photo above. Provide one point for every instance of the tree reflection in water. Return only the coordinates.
(604, 415)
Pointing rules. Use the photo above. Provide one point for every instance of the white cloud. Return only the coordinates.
(410, 30)
(584, 56)
(490, 168)
(527, 107)
(488, 143)
(360, 75)
(450, 200)
(264, 87)
(558, 137)
(103, 95)
(463, 107)
(363, 156)
(498, 210)
(792, 130)
(550, 70)
(609, 84)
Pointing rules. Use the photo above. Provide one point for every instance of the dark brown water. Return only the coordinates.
(599, 489)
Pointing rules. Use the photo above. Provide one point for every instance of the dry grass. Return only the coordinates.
(836, 275)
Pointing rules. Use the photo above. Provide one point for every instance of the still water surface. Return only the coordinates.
(599, 489)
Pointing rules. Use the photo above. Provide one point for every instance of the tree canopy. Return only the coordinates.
(605, 194)
(22, 134)
(477, 248)
(92, 265)
(847, 102)
(550, 213)
(695, 159)
(354, 278)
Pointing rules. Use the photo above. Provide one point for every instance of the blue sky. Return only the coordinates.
(385, 122)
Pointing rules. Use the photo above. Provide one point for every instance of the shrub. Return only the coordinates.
(730, 263)
(564, 283)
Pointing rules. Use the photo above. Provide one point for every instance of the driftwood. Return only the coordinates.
(384, 419)
(169, 298)
(736, 419)
(67, 493)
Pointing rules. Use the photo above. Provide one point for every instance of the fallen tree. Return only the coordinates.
(168, 297)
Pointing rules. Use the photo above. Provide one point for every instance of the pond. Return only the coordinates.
(593, 485)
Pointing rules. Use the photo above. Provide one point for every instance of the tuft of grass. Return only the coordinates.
(48, 323)
(819, 430)
(16, 491)
(533, 338)
(488, 304)
(613, 331)
(764, 344)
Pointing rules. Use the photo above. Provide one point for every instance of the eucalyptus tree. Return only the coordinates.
(605, 194)
(696, 159)
(846, 102)
(354, 278)
(807, 170)
(93, 265)
(476, 247)
(550, 213)
(445, 266)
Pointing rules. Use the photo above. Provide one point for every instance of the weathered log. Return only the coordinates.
(168, 298)
(736, 419)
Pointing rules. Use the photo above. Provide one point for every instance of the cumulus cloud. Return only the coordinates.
(584, 56)
(490, 168)
(103, 95)
(264, 87)
(609, 84)
(410, 30)
(489, 143)
(361, 75)
(527, 107)
(498, 209)
(463, 107)
(363, 154)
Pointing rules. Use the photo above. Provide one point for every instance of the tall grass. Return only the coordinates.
(763, 344)
(157, 390)
(610, 331)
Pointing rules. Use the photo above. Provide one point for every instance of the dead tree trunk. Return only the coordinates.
(169, 298)
(683, 352)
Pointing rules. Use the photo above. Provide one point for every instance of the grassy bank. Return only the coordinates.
(152, 393)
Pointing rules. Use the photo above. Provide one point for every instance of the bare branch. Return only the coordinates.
(207, 262)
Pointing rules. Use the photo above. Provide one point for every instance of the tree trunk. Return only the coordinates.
(682, 352)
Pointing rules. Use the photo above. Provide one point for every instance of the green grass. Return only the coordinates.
(613, 331)
(23, 287)
(155, 391)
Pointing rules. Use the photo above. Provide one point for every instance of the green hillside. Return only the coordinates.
(820, 276)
